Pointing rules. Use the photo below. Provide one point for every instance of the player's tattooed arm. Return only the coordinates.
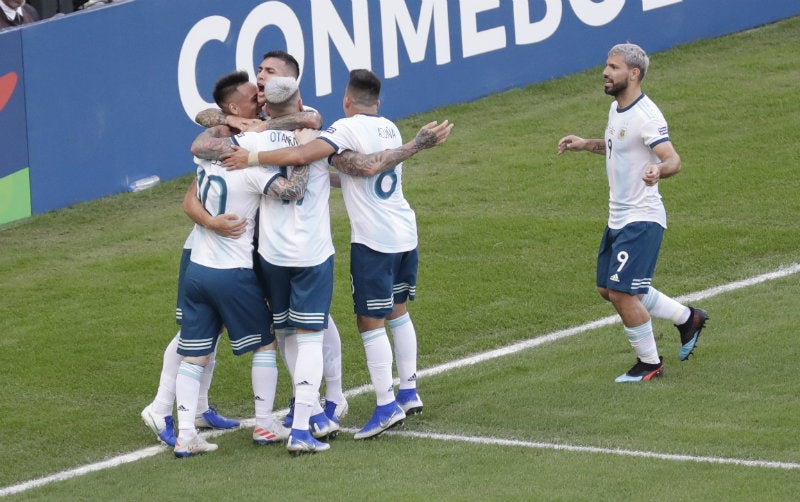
(299, 120)
(598, 146)
(358, 164)
(213, 142)
(574, 143)
(293, 188)
(215, 117)
(210, 117)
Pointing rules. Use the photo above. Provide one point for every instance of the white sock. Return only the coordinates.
(379, 362)
(332, 363)
(187, 386)
(307, 377)
(405, 350)
(287, 344)
(205, 383)
(643, 342)
(264, 374)
(662, 306)
(165, 396)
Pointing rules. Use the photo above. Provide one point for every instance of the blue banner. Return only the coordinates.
(12, 106)
(109, 94)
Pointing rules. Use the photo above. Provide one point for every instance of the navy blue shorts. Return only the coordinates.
(299, 297)
(217, 297)
(381, 280)
(185, 259)
(627, 257)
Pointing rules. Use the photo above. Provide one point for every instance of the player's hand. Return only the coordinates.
(572, 143)
(236, 159)
(652, 174)
(243, 124)
(306, 135)
(257, 125)
(432, 134)
(228, 225)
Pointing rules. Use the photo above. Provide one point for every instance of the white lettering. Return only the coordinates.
(474, 42)
(206, 30)
(530, 33)
(269, 14)
(597, 14)
(656, 4)
(534, 21)
(355, 52)
(431, 12)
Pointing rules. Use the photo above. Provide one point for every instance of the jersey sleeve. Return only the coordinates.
(248, 140)
(655, 131)
(340, 136)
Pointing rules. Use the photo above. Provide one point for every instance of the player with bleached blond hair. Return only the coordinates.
(639, 153)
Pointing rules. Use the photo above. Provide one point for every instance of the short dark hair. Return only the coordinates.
(287, 58)
(227, 85)
(364, 87)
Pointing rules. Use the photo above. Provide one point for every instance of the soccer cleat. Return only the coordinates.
(336, 411)
(275, 433)
(322, 427)
(690, 331)
(210, 419)
(385, 417)
(195, 446)
(642, 372)
(289, 418)
(301, 442)
(163, 427)
(409, 401)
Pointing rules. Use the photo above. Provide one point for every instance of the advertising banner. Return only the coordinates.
(15, 197)
(110, 93)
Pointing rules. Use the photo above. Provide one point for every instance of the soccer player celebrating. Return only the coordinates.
(638, 154)
(384, 258)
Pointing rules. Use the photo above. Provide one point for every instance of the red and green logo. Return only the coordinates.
(8, 83)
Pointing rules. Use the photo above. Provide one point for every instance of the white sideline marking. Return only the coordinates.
(460, 363)
(593, 449)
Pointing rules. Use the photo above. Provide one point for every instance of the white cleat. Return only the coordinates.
(274, 433)
(195, 446)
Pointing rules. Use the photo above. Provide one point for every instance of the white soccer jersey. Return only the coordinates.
(190, 238)
(222, 191)
(293, 233)
(380, 216)
(630, 135)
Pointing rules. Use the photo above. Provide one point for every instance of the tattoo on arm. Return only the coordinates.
(212, 143)
(293, 188)
(210, 117)
(425, 139)
(299, 120)
(359, 164)
(599, 147)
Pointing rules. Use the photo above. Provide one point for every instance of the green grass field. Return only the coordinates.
(508, 236)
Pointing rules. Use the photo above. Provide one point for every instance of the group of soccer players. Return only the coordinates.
(262, 170)
(274, 200)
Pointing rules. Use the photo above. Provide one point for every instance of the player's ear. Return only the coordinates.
(300, 104)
